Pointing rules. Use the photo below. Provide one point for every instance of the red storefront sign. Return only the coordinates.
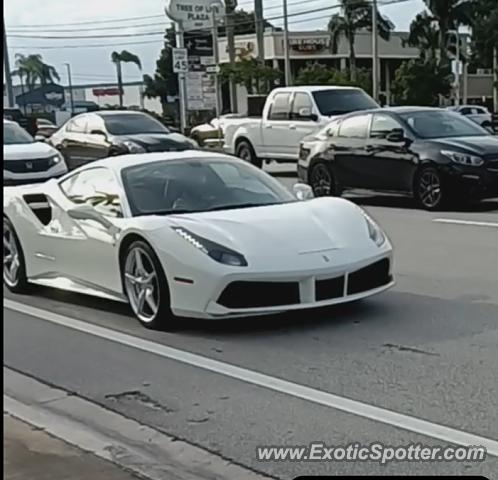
(104, 92)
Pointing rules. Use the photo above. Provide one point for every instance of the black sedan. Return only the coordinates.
(434, 155)
(90, 136)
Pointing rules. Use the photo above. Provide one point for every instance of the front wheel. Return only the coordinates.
(321, 180)
(14, 266)
(146, 287)
(429, 190)
(245, 151)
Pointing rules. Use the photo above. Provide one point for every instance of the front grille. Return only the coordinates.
(259, 294)
(27, 166)
(329, 288)
(370, 277)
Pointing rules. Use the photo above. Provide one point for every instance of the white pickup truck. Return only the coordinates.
(289, 115)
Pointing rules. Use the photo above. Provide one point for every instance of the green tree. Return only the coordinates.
(419, 82)
(319, 74)
(250, 73)
(118, 59)
(164, 82)
(33, 69)
(244, 23)
(355, 15)
(485, 31)
(424, 34)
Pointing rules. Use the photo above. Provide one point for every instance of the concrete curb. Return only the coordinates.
(111, 436)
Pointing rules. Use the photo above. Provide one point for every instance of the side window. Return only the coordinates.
(301, 100)
(96, 187)
(466, 111)
(94, 122)
(355, 127)
(279, 110)
(382, 125)
(77, 125)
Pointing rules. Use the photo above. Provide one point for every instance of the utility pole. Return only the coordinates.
(495, 80)
(216, 62)
(375, 53)
(457, 76)
(70, 82)
(180, 43)
(260, 30)
(288, 74)
(230, 6)
(8, 76)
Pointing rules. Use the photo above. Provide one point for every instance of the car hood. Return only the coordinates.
(28, 151)
(285, 231)
(159, 142)
(482, 145)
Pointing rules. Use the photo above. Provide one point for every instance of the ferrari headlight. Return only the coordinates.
(133, 147)
(374, 231)
(217, 252)
(463, 158)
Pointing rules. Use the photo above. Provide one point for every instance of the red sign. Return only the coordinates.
(103, 92)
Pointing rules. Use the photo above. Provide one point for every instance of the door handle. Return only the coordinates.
(268, 126)
(292, 127)
(369, 148)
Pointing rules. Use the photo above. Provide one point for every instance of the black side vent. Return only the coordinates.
(40, 206)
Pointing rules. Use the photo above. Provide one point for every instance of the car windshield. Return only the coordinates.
(199, 185)
(442, 124)
(132, 124)
(341, 101)
(13, 134)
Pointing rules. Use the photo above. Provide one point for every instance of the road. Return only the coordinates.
(427, 349)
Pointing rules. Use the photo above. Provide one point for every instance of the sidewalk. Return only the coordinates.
(32, 454)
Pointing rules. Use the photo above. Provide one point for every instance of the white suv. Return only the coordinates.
(28, 161)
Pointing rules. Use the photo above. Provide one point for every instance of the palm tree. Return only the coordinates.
(449, 14)
(123, 57)
(424, 34)
(356, 15)
(34, 69)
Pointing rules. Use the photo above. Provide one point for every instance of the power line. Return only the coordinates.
(46, 47)
(89, 22)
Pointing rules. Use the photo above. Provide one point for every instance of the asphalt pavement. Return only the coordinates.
(416, 364)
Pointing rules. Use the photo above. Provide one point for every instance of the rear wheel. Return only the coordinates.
(429, 190)
(321, 180)
(14, 267)
(146, 287)
(245, 151)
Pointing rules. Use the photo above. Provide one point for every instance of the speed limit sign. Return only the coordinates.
(180, 64)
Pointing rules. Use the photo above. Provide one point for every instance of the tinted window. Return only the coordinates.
(382, 125)
(96, 187)
(301, 100)
(354, 127)
(442, 124)
(341, 101)
(191, 185)
(13, 134)
(132, 123)
(480, 111)
(280, 107)
(466, 111)
(77, 125)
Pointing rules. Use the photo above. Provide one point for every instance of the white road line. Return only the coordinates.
(337, 402)
(465, 222)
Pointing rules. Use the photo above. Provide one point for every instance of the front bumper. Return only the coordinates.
(480, 182)
(340, 283)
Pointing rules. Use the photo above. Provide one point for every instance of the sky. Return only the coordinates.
(93, 65)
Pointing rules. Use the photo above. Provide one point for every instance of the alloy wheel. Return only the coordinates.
(430, 192)
(141, 283)
(321, 180)
(11, 262)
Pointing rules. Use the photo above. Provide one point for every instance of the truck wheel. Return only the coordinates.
(246, 152)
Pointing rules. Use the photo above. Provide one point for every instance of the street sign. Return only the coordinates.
(194, 14)
(180, 63)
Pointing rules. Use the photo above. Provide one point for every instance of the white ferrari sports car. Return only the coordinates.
(191, 234)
